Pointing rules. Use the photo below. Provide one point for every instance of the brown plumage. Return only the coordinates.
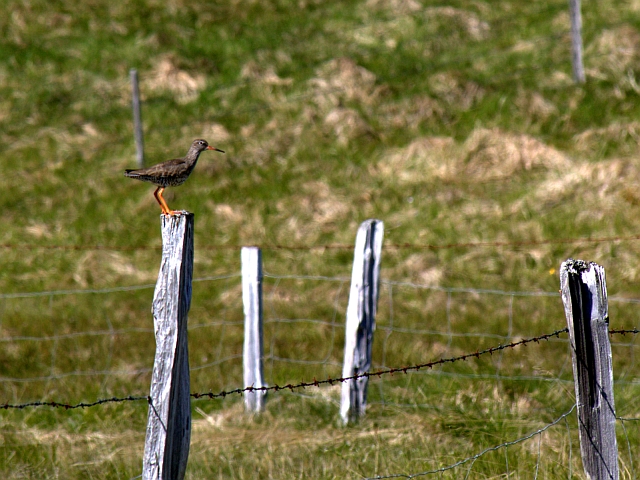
(171, 173)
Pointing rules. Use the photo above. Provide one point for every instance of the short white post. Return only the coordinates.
(252, 354)
(576, 41)
(361, 318)
(166, 448)
(584, 295)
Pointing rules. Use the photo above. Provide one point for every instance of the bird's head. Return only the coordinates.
(201, 145)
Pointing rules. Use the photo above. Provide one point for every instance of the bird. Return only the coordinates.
(171, 173)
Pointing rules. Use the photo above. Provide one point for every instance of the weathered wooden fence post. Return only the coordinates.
(252, 301)
(166, 448)
(361, 318)
(137, 117)
(576, 41)
(584, 294)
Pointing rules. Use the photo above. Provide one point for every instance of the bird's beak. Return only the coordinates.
(216, 149)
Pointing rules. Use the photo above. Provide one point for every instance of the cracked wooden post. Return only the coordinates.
(361, 318)
(166, 448)
(584, 295)
(252, 353)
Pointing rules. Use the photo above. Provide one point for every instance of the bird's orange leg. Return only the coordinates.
(163, 204)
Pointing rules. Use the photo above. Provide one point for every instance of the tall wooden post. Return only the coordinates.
(584, 295)
(361, 318)
(166, 448)
(252, 301)
(137, 117)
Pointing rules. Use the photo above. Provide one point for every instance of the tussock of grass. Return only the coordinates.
(613, 53)
(496, 154)
(166, 76)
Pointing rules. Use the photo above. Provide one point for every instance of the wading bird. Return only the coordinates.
(171, 173)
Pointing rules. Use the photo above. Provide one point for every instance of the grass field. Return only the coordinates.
(454, 123)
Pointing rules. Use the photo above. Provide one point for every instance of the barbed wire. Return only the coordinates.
(621, 331)
(302, 385)
(317, 383)
(66, 406)
(332, 246)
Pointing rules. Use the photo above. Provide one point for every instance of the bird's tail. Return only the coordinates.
(131, 173)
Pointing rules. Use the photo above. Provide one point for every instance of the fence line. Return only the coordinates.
(271, 356)
(330, 381)
(91, 373)
(385, 328)
(138, 371)
(335, 246)
(399, 283)
(392, 326)
(122, 331)
(280, 281)
(389, 330)
(148, 286)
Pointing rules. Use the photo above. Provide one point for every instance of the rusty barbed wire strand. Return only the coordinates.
(388, 371)
(291, 387)
(315, 383)
(333, 246)
(621, 331)
(66, 406)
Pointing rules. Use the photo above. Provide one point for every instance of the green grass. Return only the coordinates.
(454, 124)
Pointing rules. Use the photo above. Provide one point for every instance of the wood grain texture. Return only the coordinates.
(361, 318)
(584, 295)
(169, 421)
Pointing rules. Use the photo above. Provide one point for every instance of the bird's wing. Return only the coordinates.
(166, 169)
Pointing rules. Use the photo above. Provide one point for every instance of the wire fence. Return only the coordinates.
(426, 334)
(315, 382)
(466, 464)
(402, 324)
(69, 337)
(330, 381)
(336, 246)
(395, 320)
